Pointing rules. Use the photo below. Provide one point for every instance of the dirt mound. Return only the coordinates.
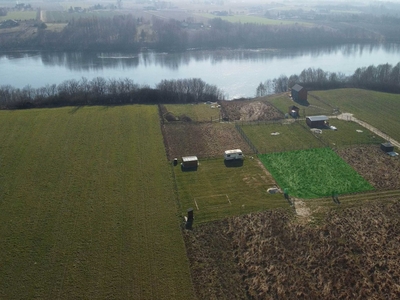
(247, 110)
(353, 255)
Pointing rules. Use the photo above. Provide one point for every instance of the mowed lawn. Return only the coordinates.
(278, 137)
(87, 207)
(218, 189)
(380, 110)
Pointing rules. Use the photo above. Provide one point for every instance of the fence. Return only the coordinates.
(244, 136)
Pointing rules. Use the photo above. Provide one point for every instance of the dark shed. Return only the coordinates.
(387, 147)
(299, 94)
(294, 111)
(190, 162)
(317, 121)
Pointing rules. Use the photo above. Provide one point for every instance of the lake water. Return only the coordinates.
(236, 72)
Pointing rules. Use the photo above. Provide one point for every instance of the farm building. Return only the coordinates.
(299, 94)
(190, 162)
(387, 147)
(294, 111)
(317, 121)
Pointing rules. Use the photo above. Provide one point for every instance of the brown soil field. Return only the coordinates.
(270, 255)
(377, 167)
(247, 110)
(201, 139)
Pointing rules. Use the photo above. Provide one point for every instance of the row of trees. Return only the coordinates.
(121, 33)
(100, 91)
(384, 78)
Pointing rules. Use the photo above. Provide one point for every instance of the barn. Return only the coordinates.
(317, 121)
(299, 94)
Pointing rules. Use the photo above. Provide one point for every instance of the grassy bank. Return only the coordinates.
(87, 207)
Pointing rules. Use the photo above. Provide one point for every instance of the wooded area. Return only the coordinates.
(100, 91)
(384, 78)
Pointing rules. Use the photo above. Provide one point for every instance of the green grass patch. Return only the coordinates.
(314, 106)
(380, 110)
(292, 136)
(253, 19)
(19, 15)
(313, 173)
(65, 16)
(197, 112)
(347, 134)
(217, 190)
(55, 26)
(87, 206)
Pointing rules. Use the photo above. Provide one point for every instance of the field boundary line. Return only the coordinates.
(218, 195)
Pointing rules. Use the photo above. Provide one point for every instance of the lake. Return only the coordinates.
(236, 72)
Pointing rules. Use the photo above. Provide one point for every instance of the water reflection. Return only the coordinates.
(88, 61)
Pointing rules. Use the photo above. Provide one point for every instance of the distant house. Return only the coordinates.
(294, 111)
(299, 94)
(317, 121)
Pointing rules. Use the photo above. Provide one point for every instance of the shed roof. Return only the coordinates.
(387, 144)
(297, 87)
(318, 118)
(189, 158)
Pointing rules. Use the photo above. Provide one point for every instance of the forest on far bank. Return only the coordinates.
(128, 33)
(382, 78)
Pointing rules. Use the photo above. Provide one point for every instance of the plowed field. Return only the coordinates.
(377, 167)
(201, 139)
(269, 255)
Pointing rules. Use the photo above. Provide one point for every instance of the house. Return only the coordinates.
(317, 121)
(294, 111)
(299, 94)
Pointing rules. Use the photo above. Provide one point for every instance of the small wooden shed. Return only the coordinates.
(294, 111)
(190, 162)
(299, 94)
(317, 121)
(387, 147)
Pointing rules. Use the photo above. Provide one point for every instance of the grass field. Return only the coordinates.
(19, 15)
(380, 110)
(292, 136)
(65, 16)
(347, 135)
(87, 207)
(216, 190)
(199, 112)
(313, 173)
(253, 19)
(314, 106)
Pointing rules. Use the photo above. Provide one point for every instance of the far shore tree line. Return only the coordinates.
(100, 91)
(127, 33)
(383, 78)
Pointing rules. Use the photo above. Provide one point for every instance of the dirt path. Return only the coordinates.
(349, 117)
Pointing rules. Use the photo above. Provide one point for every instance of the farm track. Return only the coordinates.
(365, 197)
